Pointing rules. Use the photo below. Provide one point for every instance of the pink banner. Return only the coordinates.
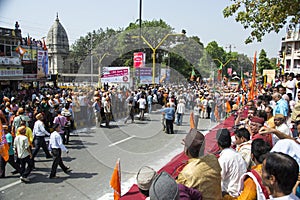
(138, 59)
(115, 73)
(229, 71)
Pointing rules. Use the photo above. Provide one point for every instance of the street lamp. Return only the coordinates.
(91, 48)
(155, 48)
(223, 65)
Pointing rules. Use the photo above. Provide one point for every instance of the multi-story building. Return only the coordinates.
(23, 61)
(11, 70)
(290, 51)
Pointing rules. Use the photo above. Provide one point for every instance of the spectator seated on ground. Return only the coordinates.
(202, 172)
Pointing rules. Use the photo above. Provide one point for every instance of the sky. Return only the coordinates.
(202, 18)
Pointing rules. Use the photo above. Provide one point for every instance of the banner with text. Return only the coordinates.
(144, 74)
(42, 64)
(139, 59)
(115, 75)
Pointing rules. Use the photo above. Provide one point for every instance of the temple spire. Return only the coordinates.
(57, 17)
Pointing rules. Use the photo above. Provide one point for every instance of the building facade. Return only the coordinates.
(290, 51)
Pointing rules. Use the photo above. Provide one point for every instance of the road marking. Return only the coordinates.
(113, 144)
(10, 185)
(14, 183)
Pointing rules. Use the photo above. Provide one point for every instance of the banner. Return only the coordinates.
(30, 54)
(229, 71)
(42, 64)
(115, 75)
(270, 74)
(145, 75)
(139, 59)
(11, 72)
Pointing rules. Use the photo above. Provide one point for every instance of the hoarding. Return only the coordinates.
(115, 75)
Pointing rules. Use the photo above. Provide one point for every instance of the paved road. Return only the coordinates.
(93, 154)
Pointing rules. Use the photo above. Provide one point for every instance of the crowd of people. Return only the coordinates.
(258, 157)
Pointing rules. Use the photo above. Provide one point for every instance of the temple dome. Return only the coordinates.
(57, 39)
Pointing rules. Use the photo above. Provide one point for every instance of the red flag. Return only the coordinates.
(238, 100)
(3, 144)
(44, 45)
(115, 181)
(253, 80)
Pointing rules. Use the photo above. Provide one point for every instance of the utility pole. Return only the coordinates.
(92, 69)
(230, 46)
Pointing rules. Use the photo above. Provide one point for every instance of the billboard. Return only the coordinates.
(270, 75)
(144, 74)
(115, 75)
(139, 59)
(42, 64)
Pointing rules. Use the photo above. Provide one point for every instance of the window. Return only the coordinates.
(2, 50)
(8, 50)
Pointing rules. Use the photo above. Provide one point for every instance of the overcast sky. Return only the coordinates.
(202, 18)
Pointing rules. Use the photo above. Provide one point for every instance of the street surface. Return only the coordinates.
(93, 155)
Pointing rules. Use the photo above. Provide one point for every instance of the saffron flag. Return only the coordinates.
(21, 50)
(192, 121)
(28, 40)
(243, 82)
(228, 107)
(44, 44)
(115, 181)
(193, 75)
(238, 100)
(3, 144)
(253, 80)
(216, 112)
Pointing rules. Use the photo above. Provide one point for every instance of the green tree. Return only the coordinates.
(264, 62)
(263, 16)
(244, 64)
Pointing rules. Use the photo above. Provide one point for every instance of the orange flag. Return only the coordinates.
(115, 181)
(192, 121)
(238, 100)
(216, 112)
(228, 107)
(253, 81)
(3, 144)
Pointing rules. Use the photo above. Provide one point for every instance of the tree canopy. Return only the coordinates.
(264, 16)
(111, 47)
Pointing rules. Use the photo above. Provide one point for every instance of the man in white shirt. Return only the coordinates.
(39, 134)
(56, 147)
(232, 164)
(291, 85)
(180, 112)
(142, 106)
(280, 125)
